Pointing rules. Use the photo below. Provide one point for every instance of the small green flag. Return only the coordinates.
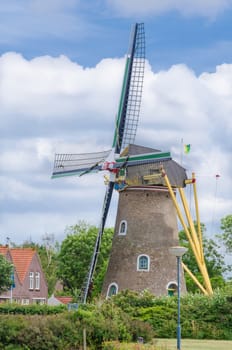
(187, 148)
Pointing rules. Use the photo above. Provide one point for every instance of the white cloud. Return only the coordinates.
(48, 86)
(53, 104)
(208, 8)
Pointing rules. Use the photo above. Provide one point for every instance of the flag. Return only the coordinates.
(187, 148)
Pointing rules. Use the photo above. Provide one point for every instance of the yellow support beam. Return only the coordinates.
(197, 213)
(179, 214)
(194, 279)
(199, 257)
(194, 239)
(190, 222)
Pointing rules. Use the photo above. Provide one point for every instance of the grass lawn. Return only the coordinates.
(189, 344)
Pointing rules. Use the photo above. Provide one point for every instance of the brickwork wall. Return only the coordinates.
(151, 230)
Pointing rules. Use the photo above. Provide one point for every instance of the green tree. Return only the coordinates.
(6, 270)
(226, 235)
(48, 253)
(76, 253)
(215, 262)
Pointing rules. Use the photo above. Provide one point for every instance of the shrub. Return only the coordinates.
(123, 318)
(8, 308)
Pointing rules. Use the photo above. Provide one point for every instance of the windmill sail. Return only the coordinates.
(92, 266)
(131, 95)
(125, 131)
(78, 164)
(126, 125)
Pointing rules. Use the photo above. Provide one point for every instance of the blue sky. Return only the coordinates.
(61, 66)
(85, 30)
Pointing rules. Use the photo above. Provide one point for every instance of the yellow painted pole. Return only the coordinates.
(190, 222)
(197, 213)
(200, 257)
(201, 264)
(194, 279)
(180, 216)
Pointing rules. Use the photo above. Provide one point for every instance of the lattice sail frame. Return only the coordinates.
(131, 94)
(135, 91)
(78, 164)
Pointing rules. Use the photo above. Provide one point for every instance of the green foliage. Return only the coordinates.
(214, 261)
(39, 332)
(8, 308)
(6, 270)
(207, 317)
(130, 300)
(76, 253)
(122, 318)
(10, 327)
(48, 253)
(226, 235)
(103, 321)
(201, 316)
(106, 321)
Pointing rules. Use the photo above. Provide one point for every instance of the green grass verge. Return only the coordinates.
(170, 344)
(191, 344)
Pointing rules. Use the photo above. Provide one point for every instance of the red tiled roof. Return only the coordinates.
(3, 250)
(21, 258)
(64, 300)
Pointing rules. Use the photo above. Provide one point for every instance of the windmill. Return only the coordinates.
(146, 180)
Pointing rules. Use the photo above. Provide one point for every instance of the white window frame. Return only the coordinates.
(120, 232)
(148, 262)
(31, 280)
(25, 301)
(40, 301)
(37, 280)
(109, 287)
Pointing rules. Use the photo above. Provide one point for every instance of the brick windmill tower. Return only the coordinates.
(146, 224)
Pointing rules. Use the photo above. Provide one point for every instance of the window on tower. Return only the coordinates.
(172, 288)
(112, 290)
(143, 263)
(122, 227)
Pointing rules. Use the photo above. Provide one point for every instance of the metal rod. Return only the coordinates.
(178, 307)
(84, 339)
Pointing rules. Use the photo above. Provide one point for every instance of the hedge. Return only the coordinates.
(202, 317)
(34, 309)
(123, 318)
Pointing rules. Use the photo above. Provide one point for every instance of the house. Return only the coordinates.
(59, 300)
(29, 285)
